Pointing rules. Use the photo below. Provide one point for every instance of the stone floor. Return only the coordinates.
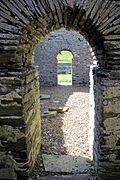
(65, 163)
(69, 177)
(65, 148)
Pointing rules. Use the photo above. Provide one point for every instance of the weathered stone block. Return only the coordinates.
(107, 123)
(18, 136)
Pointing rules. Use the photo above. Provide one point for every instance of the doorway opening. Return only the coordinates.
(64, 109)
(64, 68)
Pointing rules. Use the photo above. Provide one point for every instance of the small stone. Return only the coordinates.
(44, 96)
(59, 110)
(55, 101)
(38, 176)
(49, 114)
(65, 109)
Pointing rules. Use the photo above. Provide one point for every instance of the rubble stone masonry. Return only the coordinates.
(46, 56)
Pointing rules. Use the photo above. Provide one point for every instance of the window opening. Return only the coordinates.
(64, 70)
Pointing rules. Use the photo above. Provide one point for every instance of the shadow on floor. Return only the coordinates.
(53, 138)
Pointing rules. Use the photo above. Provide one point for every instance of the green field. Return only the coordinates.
(65, 56)
(65, 79)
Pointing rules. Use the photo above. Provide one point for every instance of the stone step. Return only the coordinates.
(66, 164)
(67, 177)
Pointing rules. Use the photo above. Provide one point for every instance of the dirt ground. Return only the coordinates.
(66, 133)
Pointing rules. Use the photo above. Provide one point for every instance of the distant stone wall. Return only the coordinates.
(47, 50)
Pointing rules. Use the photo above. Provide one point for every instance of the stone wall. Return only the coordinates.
(46, 56)
(107, 126)
(19, 121)
(22, 24)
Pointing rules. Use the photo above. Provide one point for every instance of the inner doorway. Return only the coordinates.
(64, 68)
(64, 108)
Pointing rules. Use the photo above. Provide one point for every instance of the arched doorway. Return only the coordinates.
(60, 141)
(63, 131)
(64, 68)
(48, 48)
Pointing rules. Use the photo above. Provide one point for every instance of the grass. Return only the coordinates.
(65, 56)
(65, 79)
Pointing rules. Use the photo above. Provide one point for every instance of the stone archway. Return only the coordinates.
(47, 49)
(22, 24)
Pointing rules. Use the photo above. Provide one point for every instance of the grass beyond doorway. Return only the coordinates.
(65, 56)
(65, 79)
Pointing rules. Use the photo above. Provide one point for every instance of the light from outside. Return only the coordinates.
(64, 58)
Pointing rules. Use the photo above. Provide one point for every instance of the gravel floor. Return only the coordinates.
(67, 133)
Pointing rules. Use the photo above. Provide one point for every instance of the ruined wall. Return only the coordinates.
(47, 50)
(107, 105)
(20, 127)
